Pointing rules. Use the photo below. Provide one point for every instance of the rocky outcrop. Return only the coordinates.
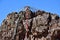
(29, 25)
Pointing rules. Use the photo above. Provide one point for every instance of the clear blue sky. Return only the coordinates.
(8, 6)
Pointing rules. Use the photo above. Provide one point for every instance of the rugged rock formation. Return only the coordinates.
(29, 25)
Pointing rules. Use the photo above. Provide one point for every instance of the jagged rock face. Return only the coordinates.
(29, 25)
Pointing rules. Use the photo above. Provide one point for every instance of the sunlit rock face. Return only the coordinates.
(30, 25)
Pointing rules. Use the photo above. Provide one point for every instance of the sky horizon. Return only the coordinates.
(8, 6)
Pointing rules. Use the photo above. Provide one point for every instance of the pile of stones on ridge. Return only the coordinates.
(30, 25)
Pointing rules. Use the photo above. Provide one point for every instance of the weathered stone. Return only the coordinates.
(29, 25)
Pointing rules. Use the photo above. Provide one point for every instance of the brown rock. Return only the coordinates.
(29, 25)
